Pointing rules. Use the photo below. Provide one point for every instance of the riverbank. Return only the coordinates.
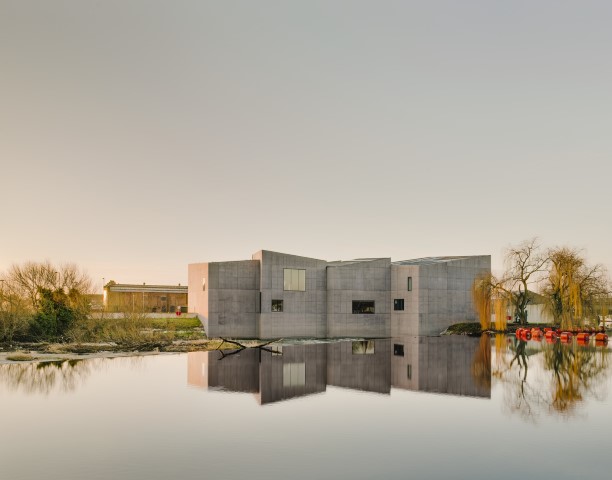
(473, 329)
(52, 352)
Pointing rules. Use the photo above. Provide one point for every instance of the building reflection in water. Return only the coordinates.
(431, 364)
(440, 365)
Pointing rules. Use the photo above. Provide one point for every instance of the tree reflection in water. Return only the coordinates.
(45, 377)
(577, 371)
(563, 375)
(481, 365)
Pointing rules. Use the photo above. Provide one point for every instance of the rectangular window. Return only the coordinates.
(410, 284)
(363, 347)
(398, 350)
(277, 305)
(409, 372)
(398, 304)
(294, 279)
(363, 306)
(294, 374)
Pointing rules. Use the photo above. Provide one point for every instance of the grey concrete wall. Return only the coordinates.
(299, 371)
(368, 372)
(197, 296)
(227, 370)
(445, 366)
(366, 280)
(445, 292)
(304, 313)
(197, 369)
(233, 299)
(440, 365)
(405, 322)
(405, 362)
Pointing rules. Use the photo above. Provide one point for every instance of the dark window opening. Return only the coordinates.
(409, 372)
(277, 305)
(398, 304)
(410, 284)
(363, 306)
(398, 350)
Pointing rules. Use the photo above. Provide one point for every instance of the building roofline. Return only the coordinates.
(436, 260)
(127, 287)
(287, 255)
(344, 263)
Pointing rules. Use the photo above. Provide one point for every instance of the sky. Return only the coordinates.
(137, 137)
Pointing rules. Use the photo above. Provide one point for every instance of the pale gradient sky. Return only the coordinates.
(139, 136)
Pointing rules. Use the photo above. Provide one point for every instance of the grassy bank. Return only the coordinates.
(467, 328)
(136, 329)
(473, 328)
(132, 332)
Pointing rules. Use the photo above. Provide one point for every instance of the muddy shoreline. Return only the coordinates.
(50, 352)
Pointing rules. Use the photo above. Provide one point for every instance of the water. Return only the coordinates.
(451, 407)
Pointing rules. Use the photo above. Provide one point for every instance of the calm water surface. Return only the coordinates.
(412, 407)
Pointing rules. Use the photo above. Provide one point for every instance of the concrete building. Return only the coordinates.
(121, 297)
(434, 293)
(277, 295)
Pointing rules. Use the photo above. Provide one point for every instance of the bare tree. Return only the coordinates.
(14, 315)
(524, 265)
(28, 279)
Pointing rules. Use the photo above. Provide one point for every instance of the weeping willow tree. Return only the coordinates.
(482, 291)
(574, 289)
(489, 296)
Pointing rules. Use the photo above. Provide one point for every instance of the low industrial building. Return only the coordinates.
(122, 297)
(276, 295)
